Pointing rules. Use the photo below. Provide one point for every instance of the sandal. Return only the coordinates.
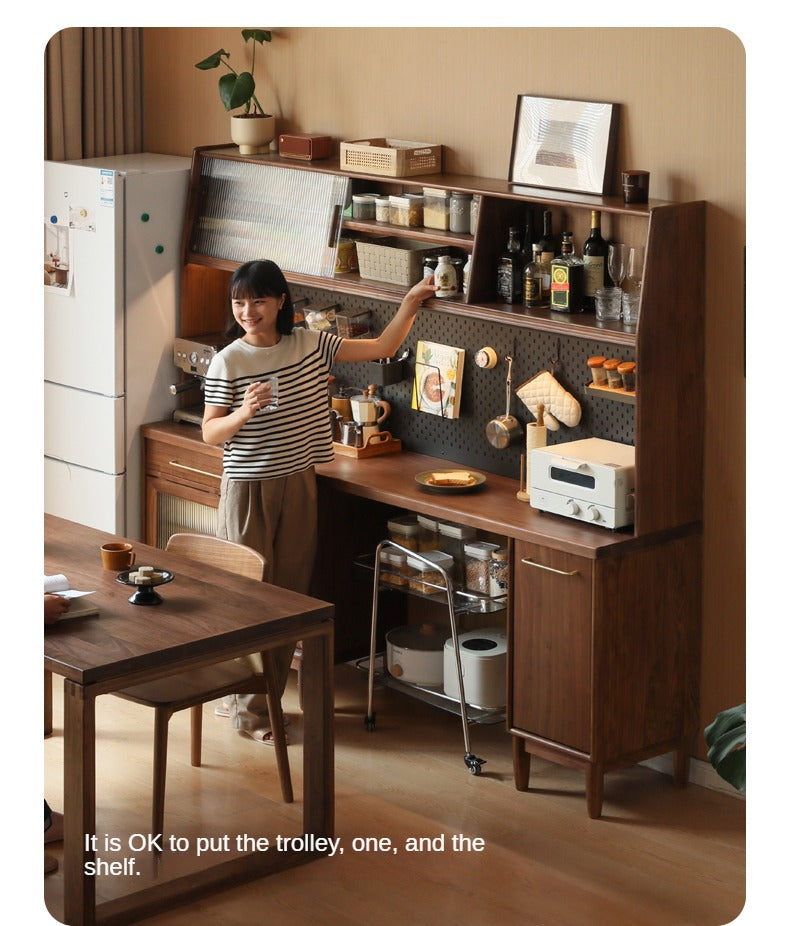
(262, 735)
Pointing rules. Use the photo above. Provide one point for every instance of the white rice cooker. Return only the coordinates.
(414, 654)
(483, 666)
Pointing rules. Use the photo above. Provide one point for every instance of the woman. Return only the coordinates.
(274, 437)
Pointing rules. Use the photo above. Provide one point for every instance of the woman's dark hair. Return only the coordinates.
(254, 280)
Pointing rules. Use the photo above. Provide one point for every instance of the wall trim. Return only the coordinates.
(700, 773)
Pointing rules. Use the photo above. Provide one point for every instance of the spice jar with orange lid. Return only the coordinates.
(613, 378)
(627, 372)
(597, 371)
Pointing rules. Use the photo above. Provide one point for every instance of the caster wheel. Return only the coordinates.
(474, 765)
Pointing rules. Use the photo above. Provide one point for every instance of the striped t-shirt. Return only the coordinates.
(296, 435)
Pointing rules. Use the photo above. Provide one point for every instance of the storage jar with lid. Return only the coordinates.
(404, 531)
(407, 210)
(627, 372)
(477, 557)
(429, 532)
(453, 538)
(427, 577)
(500, 573)
(363, 206)
(597, 371)
(460, 207)
(613, 378)
(436, 208)
(392, 564)
(382, 208)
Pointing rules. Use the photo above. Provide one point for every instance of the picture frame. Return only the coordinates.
(563, 144)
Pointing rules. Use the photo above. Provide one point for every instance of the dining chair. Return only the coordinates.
(195, 688)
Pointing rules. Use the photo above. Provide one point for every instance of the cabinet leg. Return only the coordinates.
(682, 765)
(521, 763)
(594, 782)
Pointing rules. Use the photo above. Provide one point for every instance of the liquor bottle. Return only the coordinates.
(534, 297)
(594, 261)
(510, 270)
(548, 243)
(567, 279)
(530, 236)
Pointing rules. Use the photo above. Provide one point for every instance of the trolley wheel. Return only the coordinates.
(370, 722)
(474, 764)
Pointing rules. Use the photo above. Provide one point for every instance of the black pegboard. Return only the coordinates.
(483, 395)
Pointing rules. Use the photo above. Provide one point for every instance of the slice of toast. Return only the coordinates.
(459, 477)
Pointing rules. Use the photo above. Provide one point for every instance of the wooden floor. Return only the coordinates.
(659, 856)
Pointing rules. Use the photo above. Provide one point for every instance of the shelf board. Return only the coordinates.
(614, 395)
(430, 235)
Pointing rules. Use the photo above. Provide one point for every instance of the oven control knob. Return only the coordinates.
(572, 507)
(593, 513)
(193, 357)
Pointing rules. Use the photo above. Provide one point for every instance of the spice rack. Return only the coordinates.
(458, 601)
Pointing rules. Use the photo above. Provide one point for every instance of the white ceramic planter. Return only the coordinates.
(252, 133)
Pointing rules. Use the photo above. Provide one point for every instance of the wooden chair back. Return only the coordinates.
(222, 554)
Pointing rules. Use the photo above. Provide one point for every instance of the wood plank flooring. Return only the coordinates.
(659, 856)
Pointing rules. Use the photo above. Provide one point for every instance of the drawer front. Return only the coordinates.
(551, 684)
(193, 467)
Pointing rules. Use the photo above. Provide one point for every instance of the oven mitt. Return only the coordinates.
(558, 404)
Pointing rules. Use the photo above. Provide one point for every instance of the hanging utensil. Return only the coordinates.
(505, 429)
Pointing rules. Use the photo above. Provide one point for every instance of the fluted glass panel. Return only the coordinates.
(180, 515)
(252, 211)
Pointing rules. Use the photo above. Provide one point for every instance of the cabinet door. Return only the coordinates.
(171, 508)
(552, 645)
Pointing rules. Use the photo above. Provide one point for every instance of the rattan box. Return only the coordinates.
(392, 260)
(390, 157)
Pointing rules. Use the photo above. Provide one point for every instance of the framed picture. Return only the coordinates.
(563, 144)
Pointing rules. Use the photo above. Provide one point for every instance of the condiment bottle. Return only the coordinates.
(444, 278)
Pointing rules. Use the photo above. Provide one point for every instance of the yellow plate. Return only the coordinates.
(423, 480)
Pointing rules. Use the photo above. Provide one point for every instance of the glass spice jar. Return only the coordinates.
(597, 371)
(627, 372)
(499, 573)
(613, 378)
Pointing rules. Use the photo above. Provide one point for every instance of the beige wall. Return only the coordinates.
(683, 118)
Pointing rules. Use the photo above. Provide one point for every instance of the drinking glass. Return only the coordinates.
(616, 263)
(635, 261)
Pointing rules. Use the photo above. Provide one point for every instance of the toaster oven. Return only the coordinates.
(589, 480)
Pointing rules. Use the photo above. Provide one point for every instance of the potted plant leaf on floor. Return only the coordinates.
(726, 739)
(253, 129)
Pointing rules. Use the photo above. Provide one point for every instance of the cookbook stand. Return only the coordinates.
(473, 763)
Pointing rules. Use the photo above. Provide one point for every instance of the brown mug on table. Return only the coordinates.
(117, 556)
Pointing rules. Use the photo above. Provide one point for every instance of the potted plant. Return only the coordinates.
(726, 739)
(253, 129)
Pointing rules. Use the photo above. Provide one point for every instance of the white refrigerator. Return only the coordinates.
(112, 243)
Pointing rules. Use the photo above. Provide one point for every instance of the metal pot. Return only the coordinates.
(416, 655)
(505, 429)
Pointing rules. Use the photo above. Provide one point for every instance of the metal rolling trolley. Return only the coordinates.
(473, 763)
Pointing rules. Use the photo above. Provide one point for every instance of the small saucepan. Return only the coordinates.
(505, 429)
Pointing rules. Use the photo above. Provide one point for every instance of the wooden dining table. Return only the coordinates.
(205, 617)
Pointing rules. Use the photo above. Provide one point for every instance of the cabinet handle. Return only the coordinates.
(193, 469)
(560, 572)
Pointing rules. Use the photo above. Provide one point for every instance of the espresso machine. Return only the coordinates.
(192, 356)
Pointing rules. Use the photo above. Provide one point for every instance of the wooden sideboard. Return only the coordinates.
(603, 626)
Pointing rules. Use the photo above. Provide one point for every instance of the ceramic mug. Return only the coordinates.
(117, 556)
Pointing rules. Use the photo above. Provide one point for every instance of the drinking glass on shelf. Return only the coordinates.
(635, 261)
(616, 262)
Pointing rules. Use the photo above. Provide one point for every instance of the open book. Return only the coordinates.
(80, 604)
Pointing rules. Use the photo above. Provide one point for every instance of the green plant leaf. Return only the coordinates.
(243, 90)
(213, 61)
(726, 739)
(257, 35)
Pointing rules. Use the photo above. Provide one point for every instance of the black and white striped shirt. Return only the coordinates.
(296, 435)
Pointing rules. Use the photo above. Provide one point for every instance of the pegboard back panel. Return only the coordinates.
(484, 391)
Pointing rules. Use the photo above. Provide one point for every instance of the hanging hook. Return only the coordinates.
(556, 359)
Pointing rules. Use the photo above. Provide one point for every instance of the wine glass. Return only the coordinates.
(617, 266)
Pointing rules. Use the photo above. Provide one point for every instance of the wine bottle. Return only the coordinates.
(594, 256)
(510, 270)
(548, 243)
(567, 279)
(530, 236)
(533, 281)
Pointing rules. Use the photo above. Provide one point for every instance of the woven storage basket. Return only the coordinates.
(392, 260)
(390, 157)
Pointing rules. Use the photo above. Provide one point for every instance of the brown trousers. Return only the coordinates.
(278, 518)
